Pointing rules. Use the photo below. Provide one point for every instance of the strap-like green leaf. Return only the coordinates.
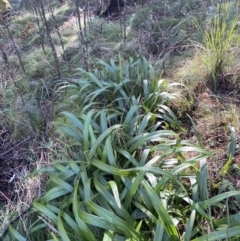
(220, 235)
(16, 234)
(163, 216)
(189, 226)
(124, 226)
(62, 230)
(85, 233)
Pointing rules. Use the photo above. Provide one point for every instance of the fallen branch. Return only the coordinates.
(14, 147)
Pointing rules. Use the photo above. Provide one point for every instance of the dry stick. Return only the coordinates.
(48, 32)
(140, 33)
(28, 4)
(124, 21)
(62, 44)
(89, 21)
(39, 28)
(15, 47)
(89, 17)
(19, 216)
(4, 55)
(4, 233)
(86, 9)
(14, 147)
(85, 31)
(80, 35)
(12, 221)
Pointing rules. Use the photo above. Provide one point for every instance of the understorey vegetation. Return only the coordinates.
(120, 122)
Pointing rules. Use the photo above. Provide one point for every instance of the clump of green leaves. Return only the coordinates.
(129, 178)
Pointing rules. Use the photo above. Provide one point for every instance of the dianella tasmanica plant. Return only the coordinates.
(128, 175)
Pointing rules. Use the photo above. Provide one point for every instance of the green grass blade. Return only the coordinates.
(130, 172)
(108, 236)
(108, 67)
(172, 119)
(195, 193)
(230, 221)
(104, 91)
(218, 198)
(220, 235)
(115, 204)
(85, 233)
(87, 123)
(120, 87)
(94, 79)
(69, 131)
(133, 189)
(125, 227)
(130, 119)
(162, 213)
(97, 221)
(144, 211)
(69, 220)
(159, 232)
(145, 88)
(99, 140)
(194, 149)
(44, 210)
(109, 151)
(54, 193)
(16, 234)
(74, 120)
(197, 207)
(145, 122)
(202, 180)
(128, 156)
(54, 237)
(144, 157)
(115, 192)
(62, 230)
(75, 168)
(176, 170)
(49, 214)
(231, 188)
(103, 121)
(139, 140)
(189, 226)
(87, 189)
(143, 197)
(91, 135)
(60, 183)
(35, 228)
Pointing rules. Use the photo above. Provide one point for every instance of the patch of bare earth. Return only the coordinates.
(214, 115)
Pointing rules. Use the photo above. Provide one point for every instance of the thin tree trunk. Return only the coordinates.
(15, 47)
(56, 27)
(82, 37)
(48, 32)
